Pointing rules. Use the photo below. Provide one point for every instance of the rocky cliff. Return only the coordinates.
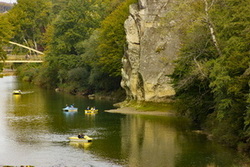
(152, 46)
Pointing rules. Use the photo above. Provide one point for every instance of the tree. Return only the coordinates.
(5, 34)
(30, 19)
(212, 73)
(112, 39)
(229, 77)
(74, 24)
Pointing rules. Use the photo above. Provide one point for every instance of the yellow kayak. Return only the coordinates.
(17, 92)
(76, 139)
(91, 111)
(80, 144)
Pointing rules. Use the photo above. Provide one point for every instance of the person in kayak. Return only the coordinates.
(80, 136)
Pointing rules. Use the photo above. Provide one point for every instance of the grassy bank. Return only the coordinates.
(148, 106)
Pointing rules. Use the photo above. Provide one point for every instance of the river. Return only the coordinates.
(34, 131)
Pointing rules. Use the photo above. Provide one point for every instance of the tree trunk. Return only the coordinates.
(210, 25)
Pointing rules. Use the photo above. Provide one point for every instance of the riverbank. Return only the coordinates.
(7, 72)
(144, 108)
(131, 110)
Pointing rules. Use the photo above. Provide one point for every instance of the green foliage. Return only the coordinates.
(101, 81)
(73, 25)
(72, 39)
(29, 19)
(28, 71)
(247, 118)
(112, 39)
(216, 87)
(2, 57)
(229, 79)
(5, 29)
(74, 80)
(57, 6)
(69, 32)
(88, 48)
(5, 34)
(191, 75)
(47, 76)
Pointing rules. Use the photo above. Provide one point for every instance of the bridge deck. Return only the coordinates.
(22, 61)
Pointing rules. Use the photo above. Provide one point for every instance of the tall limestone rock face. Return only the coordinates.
(152, 48)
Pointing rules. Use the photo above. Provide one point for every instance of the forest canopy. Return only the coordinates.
(80, 54)
(212, 75)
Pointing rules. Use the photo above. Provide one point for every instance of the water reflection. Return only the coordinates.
(155, 141)
(149, 143)
(34, 131)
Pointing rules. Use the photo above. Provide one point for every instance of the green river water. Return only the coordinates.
(34, 131)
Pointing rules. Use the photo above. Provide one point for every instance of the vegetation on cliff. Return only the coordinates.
(212, 75)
